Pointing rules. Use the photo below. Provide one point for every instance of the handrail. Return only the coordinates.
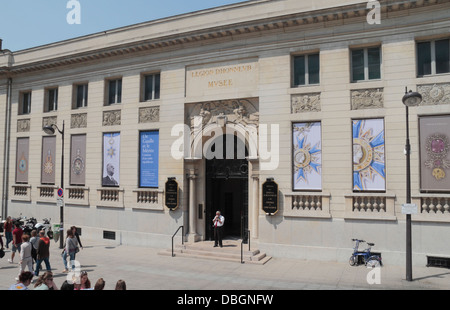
(182, 237)
(247, 232)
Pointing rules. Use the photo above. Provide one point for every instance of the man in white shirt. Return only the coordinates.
(218, 229)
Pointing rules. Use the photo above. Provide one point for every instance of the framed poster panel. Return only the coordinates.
(148, 158)
(369, 170)
(78, 160)
(48, 160)
(22, 160)
(307, 156)
(111, 159)
(434, 148)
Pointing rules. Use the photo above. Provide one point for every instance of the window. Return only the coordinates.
(81, 96)
(366, 64)
(433, 57)
(151, 86)
(51, 100)
(25, 103)
(306, 70)
(114, 91)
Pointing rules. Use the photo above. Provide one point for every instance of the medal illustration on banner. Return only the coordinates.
(306, 157)
(368, 155)
(437, 148)
(78, 164)
(22, 164)
(48, 164)
(111, 151)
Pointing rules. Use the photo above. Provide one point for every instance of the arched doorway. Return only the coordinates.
(227, 186)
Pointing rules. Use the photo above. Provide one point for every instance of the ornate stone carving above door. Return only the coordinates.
(237, 111)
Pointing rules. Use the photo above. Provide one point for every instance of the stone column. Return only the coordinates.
(255, 206)
(192, 236)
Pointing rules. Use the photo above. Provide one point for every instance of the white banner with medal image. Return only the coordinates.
(111, 159)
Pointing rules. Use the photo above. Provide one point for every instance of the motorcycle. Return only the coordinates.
(46, 226)
(27, 225)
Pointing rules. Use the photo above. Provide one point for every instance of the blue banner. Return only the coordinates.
(149, 159)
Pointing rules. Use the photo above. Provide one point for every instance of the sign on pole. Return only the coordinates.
(409, 208)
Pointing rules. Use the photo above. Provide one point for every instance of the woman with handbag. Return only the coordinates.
(70, 249)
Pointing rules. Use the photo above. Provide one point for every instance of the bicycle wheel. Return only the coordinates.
(352, 260)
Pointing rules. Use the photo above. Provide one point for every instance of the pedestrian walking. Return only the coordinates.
(8, 227)
(75, 233)
(25, 255)
(70, 249)
(43, 252)
(34, 240)
(16, 241)
(2, 230)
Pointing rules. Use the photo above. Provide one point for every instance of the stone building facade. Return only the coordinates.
(226, 99)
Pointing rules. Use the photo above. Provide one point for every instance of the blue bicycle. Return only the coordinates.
(364, 257)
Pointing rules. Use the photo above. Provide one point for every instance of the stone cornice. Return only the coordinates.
(337, 15)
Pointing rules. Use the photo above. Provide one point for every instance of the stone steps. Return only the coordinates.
(231, 251)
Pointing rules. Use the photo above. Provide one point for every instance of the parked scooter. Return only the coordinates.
(27, 225)
(46, 226)
(364, 257)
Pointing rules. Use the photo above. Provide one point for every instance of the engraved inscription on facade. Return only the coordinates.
(305, 103)
(434, 94)
(367, 98)
(218, 80)
(111, 118)
(149, 115)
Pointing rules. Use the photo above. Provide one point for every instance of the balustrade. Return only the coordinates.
(435, 205)
(369, 204)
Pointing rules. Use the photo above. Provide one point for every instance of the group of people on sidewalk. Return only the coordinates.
(36, 249)
(80, 281)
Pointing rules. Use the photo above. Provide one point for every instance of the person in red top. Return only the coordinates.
(17, 240)
(8, 230)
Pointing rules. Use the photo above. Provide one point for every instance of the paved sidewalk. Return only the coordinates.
(144, 269)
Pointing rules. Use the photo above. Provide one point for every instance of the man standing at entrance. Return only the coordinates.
(218, 229)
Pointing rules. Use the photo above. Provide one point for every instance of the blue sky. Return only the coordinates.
(30, 23)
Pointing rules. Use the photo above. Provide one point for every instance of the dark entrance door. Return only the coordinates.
(227, 192)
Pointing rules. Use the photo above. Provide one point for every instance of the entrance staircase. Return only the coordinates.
(231, 251)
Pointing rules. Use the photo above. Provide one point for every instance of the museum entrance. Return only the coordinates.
(227, 190)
